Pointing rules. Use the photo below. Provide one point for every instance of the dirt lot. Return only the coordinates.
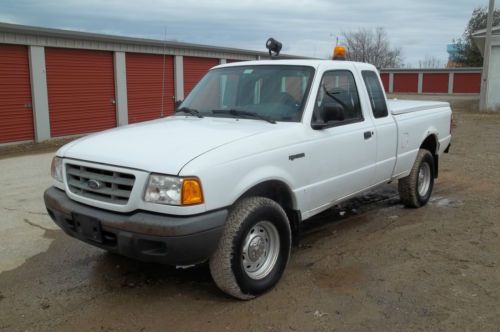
(368, 265)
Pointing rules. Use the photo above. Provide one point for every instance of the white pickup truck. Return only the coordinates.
(256, 149)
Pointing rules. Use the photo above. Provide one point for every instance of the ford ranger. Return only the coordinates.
(256, 149)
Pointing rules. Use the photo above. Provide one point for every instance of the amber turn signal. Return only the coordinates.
(191, 192)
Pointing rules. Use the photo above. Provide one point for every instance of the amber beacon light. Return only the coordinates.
(339, 53)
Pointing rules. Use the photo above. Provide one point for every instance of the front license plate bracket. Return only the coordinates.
(88, 227)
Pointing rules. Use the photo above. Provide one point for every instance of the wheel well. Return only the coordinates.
(430, 144)
(280, 193)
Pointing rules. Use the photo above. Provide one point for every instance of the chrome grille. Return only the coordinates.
(114, 187)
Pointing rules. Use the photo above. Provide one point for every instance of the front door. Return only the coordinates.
(342, 155)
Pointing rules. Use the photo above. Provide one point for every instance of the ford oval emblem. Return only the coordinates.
(94, 184)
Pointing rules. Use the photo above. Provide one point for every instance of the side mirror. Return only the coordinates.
(332, 112)
(178, 103)
(329, 112)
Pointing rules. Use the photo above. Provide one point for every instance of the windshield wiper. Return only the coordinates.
(236, 112)
(192, 111)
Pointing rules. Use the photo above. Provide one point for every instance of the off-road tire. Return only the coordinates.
(226, 262)
(408, 186)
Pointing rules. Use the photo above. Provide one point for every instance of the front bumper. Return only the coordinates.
(141, 235)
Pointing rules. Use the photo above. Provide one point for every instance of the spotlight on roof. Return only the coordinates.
(274, 47)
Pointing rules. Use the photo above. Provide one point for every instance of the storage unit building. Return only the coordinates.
(432, 80)
(492, 95)
(58, 83)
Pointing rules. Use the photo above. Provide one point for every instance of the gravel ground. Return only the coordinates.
(367, 265)
(29, 149)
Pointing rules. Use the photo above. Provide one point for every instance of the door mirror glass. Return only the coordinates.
(330, 112)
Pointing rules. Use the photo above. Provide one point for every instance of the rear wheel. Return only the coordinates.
(254, 249)
(416, 189)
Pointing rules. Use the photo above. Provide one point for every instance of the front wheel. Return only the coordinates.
(415, 189)
(254, 248)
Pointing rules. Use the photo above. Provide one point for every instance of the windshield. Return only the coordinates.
(272, 92)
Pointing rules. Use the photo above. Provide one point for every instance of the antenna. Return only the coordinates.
(162, 113)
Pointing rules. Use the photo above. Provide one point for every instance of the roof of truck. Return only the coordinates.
(296, 62)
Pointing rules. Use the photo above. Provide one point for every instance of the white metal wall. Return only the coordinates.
(494, 78)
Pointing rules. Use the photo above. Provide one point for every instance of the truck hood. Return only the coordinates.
(164, 145)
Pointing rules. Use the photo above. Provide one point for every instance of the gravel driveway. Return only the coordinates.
(367, 265)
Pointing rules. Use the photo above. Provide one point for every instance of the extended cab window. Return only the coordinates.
(377, 98)
(277, 92)
(338, 91)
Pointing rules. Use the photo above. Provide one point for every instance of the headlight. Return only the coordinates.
(56, 169)
(172, 190)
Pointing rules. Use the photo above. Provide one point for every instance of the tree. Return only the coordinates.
(430, 62)
(468, 54)
(366, 45)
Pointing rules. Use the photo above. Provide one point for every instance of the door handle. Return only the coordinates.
(368, 134)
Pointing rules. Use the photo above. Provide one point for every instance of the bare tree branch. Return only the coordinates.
(365, 45)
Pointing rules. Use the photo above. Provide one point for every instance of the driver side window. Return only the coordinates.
(338, 89)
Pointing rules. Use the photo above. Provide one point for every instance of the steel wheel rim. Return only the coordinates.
(424, 179)
(260, 250)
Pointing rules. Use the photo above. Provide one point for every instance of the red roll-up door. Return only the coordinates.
(195, 69)
(435, 83)
(467, 83)
(384, 77)
(406, 83)
(81, 91)
(16, 114)
(144, 86)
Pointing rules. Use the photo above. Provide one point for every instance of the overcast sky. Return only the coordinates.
(420, 27)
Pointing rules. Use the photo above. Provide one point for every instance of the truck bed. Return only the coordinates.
(408, 106)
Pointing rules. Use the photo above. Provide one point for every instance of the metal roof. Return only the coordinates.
(41, 32)
(479, 38)
(428, 70)
(481, 33)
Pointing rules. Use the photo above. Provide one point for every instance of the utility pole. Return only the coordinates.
(486, 59)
